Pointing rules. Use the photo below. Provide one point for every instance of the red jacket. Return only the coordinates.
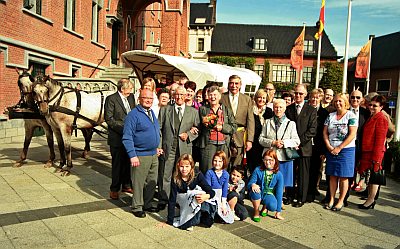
(374, 137)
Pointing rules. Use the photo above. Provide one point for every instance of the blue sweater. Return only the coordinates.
(141, 136)
(218, 183)
(276, 184)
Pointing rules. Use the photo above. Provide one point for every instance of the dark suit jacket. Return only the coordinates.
(319, 144)
(114, 115)
(306, 125)
(244, 117)
(362, 118)
(190, 118)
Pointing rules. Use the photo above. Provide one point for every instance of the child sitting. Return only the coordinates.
(218, 179)
(190, 191)
(236, 194)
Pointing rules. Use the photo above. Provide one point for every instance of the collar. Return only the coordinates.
(301, 105)
(231, 95)
(182, 106)
(122, 96)
(356, 109)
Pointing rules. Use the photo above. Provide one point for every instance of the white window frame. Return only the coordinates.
(32, 6)
(199, 49)
(383, 92)
(283, 73)
(97, 6)
(70, 14)
(260, 44)
(309, 46)
(259, 69)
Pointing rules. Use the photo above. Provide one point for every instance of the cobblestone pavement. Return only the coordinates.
(41, 209)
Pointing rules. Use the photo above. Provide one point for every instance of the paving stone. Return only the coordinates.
(132, 239)
(92, 244)
(44, 240)
(26, 229)
(6, 244)
(8, 219)
(14, 207)
(107, 229)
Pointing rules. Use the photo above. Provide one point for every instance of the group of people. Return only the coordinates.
(285, 142)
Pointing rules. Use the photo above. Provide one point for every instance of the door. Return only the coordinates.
(114, 43)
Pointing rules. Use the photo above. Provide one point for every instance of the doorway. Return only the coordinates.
(115, 42)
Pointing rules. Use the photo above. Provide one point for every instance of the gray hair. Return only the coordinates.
(123, 84)
(369, 96)
(280, 101)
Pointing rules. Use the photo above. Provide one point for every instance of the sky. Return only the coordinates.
(376, 17)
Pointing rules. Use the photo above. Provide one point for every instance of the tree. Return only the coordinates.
(332, 77)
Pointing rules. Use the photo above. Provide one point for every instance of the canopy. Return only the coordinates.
(197, 71)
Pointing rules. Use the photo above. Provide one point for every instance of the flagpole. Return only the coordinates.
(318, 62)
(346, 49)
(369, 65)
(302, 55)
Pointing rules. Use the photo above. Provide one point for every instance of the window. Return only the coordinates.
(307, 74)
(308, 46)
(200, 44)
(321, 72)
(383, 86)
(259, 69)
(240, 65)
(38, 69)
(69, 14)
(34, 6)
(151, 37)
(96, 8)
(259, 44)
(283, 73)
(250, 90)
(360, 85)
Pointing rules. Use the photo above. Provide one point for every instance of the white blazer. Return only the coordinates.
(268, 135)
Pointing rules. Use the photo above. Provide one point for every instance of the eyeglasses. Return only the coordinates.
(269, 89)
(146, 98)
(355, 97)
(374, 105)
(298, 93)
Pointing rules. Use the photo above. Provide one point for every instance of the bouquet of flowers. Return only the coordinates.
(210, 121)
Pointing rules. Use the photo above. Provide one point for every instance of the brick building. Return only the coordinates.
(266, 50)
(76, 38)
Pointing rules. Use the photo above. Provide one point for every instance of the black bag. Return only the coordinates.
(291, 153)
(378, 177)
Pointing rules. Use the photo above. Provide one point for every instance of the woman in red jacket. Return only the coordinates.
(373, 146)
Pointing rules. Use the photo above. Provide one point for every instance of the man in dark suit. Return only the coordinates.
(242, 108)
(362, 114)
(178, 125)
(305, 117)
(116, 108)
(318, 146)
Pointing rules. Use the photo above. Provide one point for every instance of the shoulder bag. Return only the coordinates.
(291, 153)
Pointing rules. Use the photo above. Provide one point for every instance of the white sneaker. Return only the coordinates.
(236, 218)
(190, 229)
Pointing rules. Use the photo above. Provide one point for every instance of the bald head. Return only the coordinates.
(356, 97)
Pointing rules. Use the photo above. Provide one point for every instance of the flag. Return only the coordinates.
(362, 62)
(296, 56)
(321, 22)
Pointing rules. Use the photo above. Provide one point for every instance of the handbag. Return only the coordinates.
(378, 178)
(291, 153)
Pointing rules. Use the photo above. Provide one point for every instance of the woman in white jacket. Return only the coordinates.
(278, 133)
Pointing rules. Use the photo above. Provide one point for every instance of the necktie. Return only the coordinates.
(298, 107)
(149, 114)
(126, 104)
(234, 104)
(354, 111)
(180, 113)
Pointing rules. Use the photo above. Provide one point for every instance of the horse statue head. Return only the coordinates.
(25, 83)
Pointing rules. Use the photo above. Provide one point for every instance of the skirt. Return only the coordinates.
(286, 168)
(341, 165)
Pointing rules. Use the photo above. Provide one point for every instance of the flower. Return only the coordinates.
(210, 121)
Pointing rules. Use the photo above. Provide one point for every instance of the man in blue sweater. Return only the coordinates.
(141, 140)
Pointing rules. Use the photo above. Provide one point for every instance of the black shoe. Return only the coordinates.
(161, 206)
(337, 209)
(371, 206)
(139, 214)
(345, 203)
(317, 193)
(152, 210)
(298, 204)
(287, 201)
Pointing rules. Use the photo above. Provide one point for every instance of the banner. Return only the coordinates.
(296, 56)
(363, 61)
(321, 22)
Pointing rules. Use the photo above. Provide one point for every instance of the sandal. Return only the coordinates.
(264, 213)
(256, 219)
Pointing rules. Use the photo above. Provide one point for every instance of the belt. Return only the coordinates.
(241, 128)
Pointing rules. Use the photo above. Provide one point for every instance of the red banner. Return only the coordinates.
(363, 61)
(321, 21)
(296, 56)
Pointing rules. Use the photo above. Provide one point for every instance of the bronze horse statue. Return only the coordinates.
(25, 84)
(66, 110)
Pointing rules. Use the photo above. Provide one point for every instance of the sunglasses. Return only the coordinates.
(298, 93)
(355, 97)
(374, 105)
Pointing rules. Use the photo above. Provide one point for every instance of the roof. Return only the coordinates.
(237, 39)
(201, 11)
(386, 51)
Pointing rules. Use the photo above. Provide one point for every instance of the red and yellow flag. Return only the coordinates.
(321, 21)
(296, 56)
(362, 63)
